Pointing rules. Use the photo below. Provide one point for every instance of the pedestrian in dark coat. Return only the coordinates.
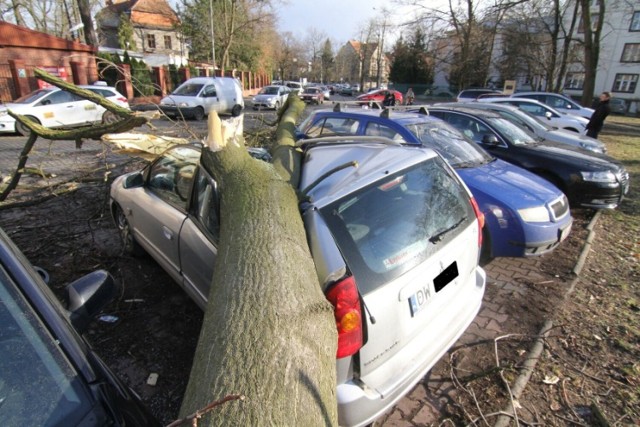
(601, 112)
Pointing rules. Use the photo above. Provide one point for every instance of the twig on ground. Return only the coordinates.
(193, 418)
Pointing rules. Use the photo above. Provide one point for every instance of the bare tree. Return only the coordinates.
(314, 42)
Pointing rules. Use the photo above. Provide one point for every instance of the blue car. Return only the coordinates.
(525, 214)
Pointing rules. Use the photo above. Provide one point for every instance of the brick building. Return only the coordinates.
(22, 50)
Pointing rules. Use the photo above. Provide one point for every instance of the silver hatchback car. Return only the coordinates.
(395, 242)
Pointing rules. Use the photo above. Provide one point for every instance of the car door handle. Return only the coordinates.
(168, 234)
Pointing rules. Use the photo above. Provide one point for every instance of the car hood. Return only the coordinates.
(264, 96)
(569, 137)
(578, 158)
(516, 187)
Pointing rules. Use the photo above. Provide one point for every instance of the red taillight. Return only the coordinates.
(122, 99)
(348, 313)
(480, 217)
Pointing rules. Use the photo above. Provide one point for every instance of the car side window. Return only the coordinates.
(536, 110)
(172, 174)
(209, 91)
(333, 126)
(377, 129)
(58, 97)
(206, 205)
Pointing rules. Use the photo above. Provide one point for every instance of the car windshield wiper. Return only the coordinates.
(439, 235)
(464, 165)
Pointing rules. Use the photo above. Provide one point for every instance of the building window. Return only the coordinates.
(635, 22)
(151, 41)
(167, 42)
(625, 83)
(595, 17)
(631, 53)
(574, 81)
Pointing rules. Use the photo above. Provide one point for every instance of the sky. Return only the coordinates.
(339, 19)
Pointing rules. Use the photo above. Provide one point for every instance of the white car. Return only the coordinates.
(544, 113)
(55, 108)
(273, 96)
(559, 102)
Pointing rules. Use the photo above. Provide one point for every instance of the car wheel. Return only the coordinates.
(22, 129)
(236, 110)
(129, 244)
(198, 114)
(109, 117)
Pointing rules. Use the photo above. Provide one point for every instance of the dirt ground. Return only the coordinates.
(590, 366)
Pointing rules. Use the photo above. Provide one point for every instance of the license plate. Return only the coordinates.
(420, 299)
(562, 234)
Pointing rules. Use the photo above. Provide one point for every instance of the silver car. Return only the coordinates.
(558, 101)
(273, 96)
(395, 242)
(538, 127)
(544, 113)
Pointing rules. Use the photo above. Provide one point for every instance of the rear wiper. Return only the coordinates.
(438, 236)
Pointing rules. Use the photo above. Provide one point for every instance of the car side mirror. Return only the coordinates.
(548, 115)
(87, 296)
(489, 139)
(135, 180)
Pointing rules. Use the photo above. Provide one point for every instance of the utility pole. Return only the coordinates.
(213, 41)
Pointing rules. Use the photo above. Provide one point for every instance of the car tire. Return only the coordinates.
(236, 110)
(198, 114)
(22, 129)
(129, 244)
(485, 250)
(109, 117)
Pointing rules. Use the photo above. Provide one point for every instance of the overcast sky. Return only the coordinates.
(339, 19)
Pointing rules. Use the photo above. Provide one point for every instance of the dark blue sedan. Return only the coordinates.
(525, 214)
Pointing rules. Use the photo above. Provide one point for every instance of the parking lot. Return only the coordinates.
(156, 326)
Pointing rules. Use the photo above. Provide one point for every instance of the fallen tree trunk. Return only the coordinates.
(268, 331)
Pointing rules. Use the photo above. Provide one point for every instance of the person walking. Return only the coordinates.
(410, 96)
(601, 112)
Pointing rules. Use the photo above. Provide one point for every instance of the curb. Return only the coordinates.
(536, 350)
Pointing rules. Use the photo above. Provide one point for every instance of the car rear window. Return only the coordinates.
(387, 228)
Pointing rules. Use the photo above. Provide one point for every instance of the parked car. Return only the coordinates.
(294, 86)
(544, 113)
(271, 97)
(379, 96)
(525, 215)
(414, 266)
(56, 108)
(346, 90)
(312, 95)
(618, 106)
(326, 92)
(197, 96)
(540, 129)
(49, 375)
(557, 101)
(469, 95)
(588, 179)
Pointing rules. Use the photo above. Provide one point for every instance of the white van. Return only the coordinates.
(196, 97)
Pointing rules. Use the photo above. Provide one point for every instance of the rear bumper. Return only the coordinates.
(360, 404)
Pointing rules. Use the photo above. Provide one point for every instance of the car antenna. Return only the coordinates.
(385, 113)
(371, 318)
(337, 108)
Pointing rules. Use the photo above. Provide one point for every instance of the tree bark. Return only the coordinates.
(268, 331)
(85, 16)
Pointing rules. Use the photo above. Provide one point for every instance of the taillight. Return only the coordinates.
(480, 217)
(348, 313)
(122, 99)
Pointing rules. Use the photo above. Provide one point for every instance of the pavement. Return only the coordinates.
(60, 161)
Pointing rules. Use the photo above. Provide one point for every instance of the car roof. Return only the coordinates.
(382, 115)
(468, 110)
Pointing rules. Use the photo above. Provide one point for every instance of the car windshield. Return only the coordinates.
(190, 89)
(518, 116)
(269, 90)
(515, 134)
(379, 243)
(32, 97)
(311, 90)
(38, 386)
(455, 148)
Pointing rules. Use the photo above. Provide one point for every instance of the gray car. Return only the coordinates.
(273, 96)
(539, 128)
(399, 235)
(560, 102)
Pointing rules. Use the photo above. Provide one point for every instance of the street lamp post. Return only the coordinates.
(213, 41)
